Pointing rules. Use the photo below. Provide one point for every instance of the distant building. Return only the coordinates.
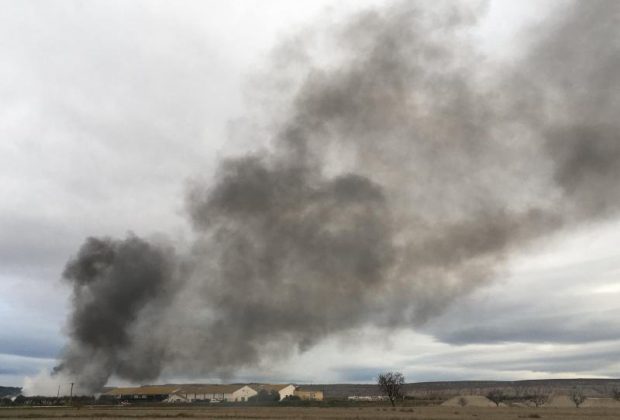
(284, 390)
(191, 393)
(309, 395)
(143, 393)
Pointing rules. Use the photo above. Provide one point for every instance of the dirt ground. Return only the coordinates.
(430, 413)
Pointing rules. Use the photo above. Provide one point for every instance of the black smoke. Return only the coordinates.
(114, 282)
(400, 175)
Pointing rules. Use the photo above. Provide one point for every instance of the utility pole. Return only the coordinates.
(71, 393)
(58, 393)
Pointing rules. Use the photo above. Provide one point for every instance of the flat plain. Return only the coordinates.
(344, 413)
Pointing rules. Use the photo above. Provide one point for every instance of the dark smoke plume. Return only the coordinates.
(400, 176)
(115, 282)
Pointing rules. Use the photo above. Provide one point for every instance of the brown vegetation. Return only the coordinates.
(359, 411)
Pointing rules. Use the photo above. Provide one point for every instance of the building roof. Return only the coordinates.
(143, 390)
(191, 389)
(209, 389)
(269, 387)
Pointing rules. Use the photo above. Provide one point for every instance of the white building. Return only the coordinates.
(284, 390)
(189, 393)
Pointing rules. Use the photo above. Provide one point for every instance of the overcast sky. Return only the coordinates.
(108, 109)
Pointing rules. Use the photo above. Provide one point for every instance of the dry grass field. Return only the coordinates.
(430, 413)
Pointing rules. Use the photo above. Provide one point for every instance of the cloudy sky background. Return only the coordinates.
(107, 109)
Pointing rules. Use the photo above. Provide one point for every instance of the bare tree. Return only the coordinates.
(497, 396)
(539, 397)
(577, 397)
(391, 384)
(519, 392)
(615, 394)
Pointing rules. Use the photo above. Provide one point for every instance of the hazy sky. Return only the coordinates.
(108, 108)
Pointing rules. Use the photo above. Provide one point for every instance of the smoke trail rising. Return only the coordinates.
(400, 178)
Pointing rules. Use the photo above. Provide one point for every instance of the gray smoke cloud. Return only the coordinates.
(115, 282)
(400, 176)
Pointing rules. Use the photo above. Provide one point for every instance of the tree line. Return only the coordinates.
(391, 384)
